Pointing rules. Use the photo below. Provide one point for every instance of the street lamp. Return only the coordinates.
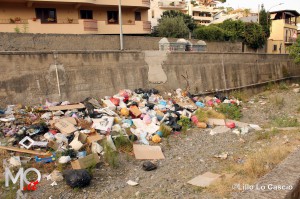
(121, 28)
(269, 10)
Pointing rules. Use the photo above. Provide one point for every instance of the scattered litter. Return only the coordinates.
(244, 130)
(222, 156)
(56, 176)
(143, 152)
(149, 166)
(205, 179)
(85, 162)
(255, 127)
(53, 184)
(64, 159)
(132, 183)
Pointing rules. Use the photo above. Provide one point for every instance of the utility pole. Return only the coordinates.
(121, 28)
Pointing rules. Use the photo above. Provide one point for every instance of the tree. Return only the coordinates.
(295, 51)
(237, 28)
(264, 21)
(172, 27)
(254, 35)
(188, 20)
(246, 12)
(209, 33)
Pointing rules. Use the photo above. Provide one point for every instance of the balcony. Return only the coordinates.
(202, 18)
(74, 26)
(169, 4)
(135, 3)
(290, 40)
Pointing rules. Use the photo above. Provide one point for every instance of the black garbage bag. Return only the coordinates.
(146, 96)
(149, 166)
(77, 178)
(150, 105)
(139, 91)
(153, 91)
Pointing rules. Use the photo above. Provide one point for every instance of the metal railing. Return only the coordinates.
(291, 40)
(146, 3)
(147, 25)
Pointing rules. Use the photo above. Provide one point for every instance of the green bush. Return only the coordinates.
(231, 111)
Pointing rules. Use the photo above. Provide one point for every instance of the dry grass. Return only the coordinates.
(277, 101)
(256, 164)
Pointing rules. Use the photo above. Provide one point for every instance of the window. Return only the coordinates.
(86, 14)
(138, 16)
(46, 15)
(152, 14)
(112, 17)
(274, 47)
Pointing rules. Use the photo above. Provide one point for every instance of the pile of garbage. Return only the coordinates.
(130, 121)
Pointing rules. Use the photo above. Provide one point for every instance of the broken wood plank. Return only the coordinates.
(9, 148)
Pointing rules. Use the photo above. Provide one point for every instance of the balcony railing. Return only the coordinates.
(146, 3)
(172, 4)
(146, 25)
(291, 40)
(90, 25)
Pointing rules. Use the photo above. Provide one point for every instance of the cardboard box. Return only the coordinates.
(94, 137)
(66, 107)
(85, 162)
(65, 127)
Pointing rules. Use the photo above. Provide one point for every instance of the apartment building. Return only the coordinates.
(157, 7)
(74, 16)
(283, 31)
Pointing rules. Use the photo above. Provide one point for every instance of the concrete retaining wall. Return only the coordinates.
(30, 77)
(38, 42)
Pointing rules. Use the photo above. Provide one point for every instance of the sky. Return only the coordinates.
(253, 4)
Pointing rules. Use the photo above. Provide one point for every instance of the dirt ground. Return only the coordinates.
(187, 155)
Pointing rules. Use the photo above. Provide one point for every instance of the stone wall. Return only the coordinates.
(30, 77)
(38, 42)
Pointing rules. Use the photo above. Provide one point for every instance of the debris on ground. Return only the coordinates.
(78, 136)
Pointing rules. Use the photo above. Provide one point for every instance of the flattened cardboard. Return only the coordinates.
(66, 107)
(219, 129)
(65, 127)
(205, 179)
(78, 141)
(85, 162)
(214, 121)
(72, 120)
(94, 137)
(145, 152)
(53, 145)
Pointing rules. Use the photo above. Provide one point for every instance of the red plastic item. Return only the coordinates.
(218, 101)
(115, 101)
(230, 125)
(210, 103)
(194, 119)
(53, 131)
